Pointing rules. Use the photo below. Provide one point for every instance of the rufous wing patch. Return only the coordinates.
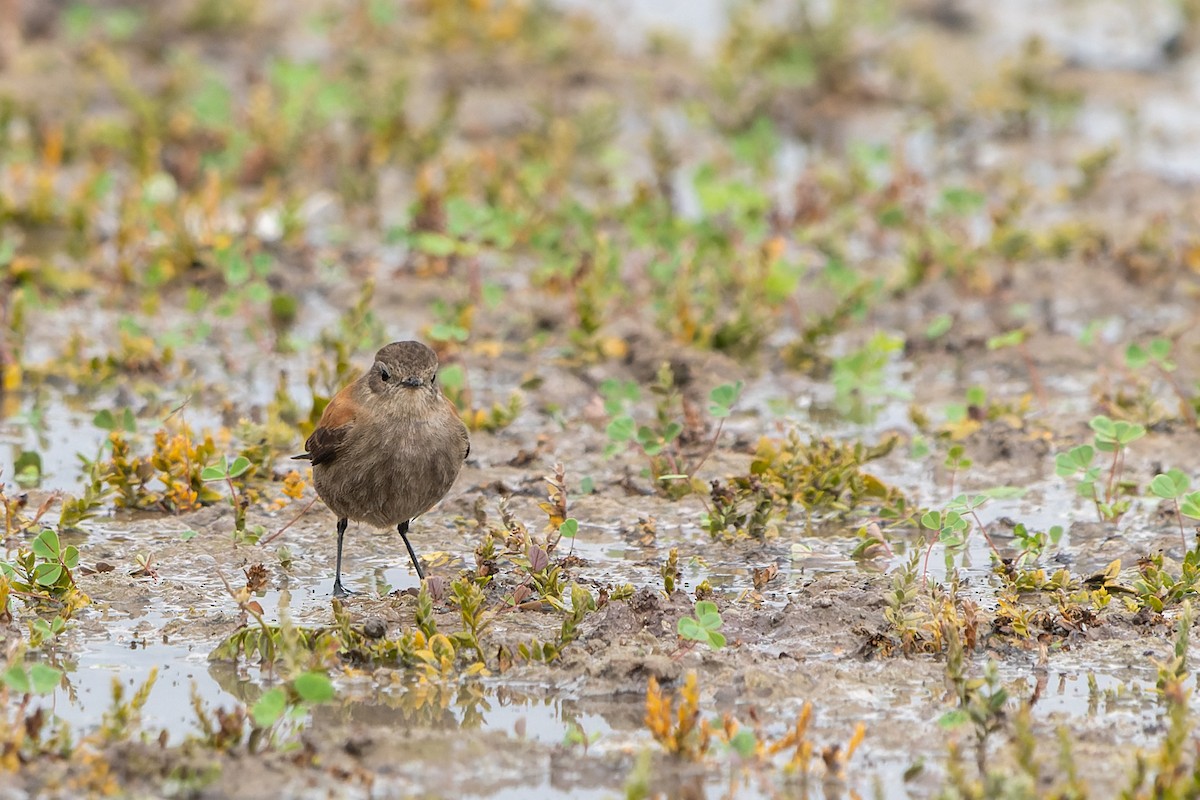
(337, 420)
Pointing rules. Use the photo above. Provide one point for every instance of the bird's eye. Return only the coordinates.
(384, 375)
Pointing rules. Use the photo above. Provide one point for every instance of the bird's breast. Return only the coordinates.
(391, 472)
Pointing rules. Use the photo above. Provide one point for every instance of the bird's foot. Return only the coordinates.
(341, 591)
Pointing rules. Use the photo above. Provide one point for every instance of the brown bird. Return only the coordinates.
(388, 446)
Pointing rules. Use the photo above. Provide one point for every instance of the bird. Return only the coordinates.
(388, 446)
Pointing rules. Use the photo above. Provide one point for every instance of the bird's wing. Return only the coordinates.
(326, 440)
(463, 436)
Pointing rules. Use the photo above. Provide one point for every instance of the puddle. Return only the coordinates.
(89, 690)
(1130, 704)
(63, 436)
(130, 654)
(57, 434)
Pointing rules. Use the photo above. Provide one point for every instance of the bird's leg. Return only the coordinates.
(403, 529)
(338, 589)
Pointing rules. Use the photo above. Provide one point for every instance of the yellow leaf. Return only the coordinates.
(10, 380)
(489, 348)
(612, 347)
(860, 733)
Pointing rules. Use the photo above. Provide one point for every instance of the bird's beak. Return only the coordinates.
(412, 383)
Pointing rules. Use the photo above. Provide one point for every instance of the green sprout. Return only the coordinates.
(1111, 436)
(704, 627)
(226, 471)
(1172, 485)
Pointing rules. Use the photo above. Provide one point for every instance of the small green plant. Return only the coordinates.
(1027, 87)
(964, 419)
(542, 576)
(168, 479)
(453, 379)
(1189, 506)
(29, 730)
(981, 701)
(1032, 544)
(901, 612)
(671, 466)
(55, 561)
(559, 525)
(42, 630)
(1157, 354)
(282, 644)
(77, 510)
(743, 507)
(704, 627)
(454, 322)
(1109, 494)
(108, 421)
(293, 701)
(27, 469)
(43, 574)
(859, 377)
(357, 329)
(618, 395)
(951, 523)
(923, 618)
(123, 717)
(1156, 588)
(469, 598)
(821, 476)
(956, 461)
(951, 529)
(808, 352)
(37, 678)
(1171, 771)
(576, 736)
(582, 604)
(1173, 485)
(227, 471)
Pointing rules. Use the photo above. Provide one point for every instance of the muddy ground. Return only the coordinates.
(1067, 137)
